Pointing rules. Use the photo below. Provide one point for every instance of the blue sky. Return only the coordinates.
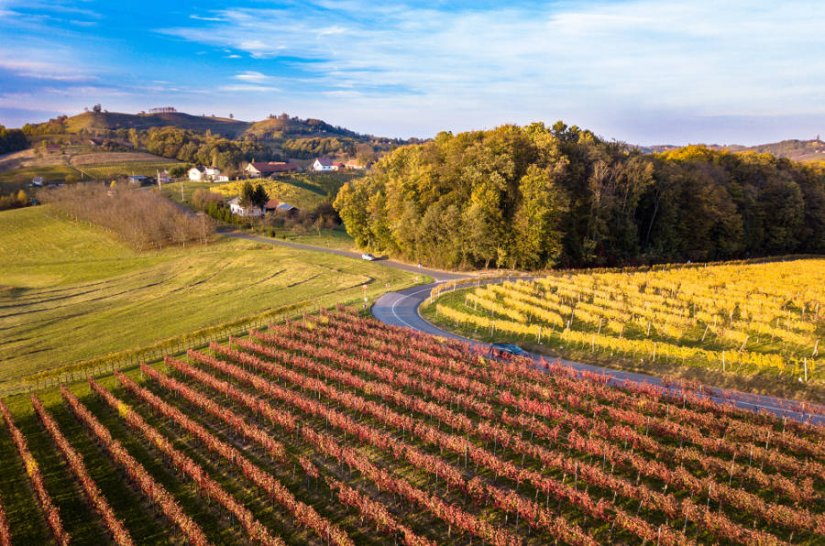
(643, 71)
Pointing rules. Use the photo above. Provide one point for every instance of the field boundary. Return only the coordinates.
(131, 358)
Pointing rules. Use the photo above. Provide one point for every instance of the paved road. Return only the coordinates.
(401, 309)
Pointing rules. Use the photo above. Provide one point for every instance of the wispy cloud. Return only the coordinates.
(590, 60)
(641, 70)
(247, 88)
(252, 76)
(42, 64)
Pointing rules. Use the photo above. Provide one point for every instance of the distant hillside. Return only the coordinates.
(111, 121)
(796, 150)
(274, 128)
(208, 140)
(283, 127)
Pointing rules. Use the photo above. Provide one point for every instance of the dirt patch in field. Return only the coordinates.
(30, 158)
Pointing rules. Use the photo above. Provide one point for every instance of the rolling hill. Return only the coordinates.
(271, 128)
(112, 121)
(796, 150)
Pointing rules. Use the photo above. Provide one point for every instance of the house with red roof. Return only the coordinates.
(258, 169)
(327, 164)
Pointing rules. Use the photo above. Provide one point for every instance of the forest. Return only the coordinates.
(535, 197)
(12, 140)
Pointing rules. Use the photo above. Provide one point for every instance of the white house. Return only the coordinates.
(247, 212)
(195, 174)
(326, 164)
(212, 174)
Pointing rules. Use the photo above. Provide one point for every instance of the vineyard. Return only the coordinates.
(740, 320)
(340, 430)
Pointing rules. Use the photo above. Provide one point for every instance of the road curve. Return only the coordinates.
(401, 309)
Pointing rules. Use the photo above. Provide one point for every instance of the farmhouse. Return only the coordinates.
(326, 164)
(287, 209)
(355, 165)
(257, 169)
(164, 177)
(271, 205)
(250, 211)
(203, 174)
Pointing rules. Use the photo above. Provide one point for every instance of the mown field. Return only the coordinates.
(757, 326)
(337, 430)
(69, 292)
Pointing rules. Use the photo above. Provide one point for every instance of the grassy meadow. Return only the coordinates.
(70, 293)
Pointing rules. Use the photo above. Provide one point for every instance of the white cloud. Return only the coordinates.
(244, 88)
(592, 61)
(252, 76)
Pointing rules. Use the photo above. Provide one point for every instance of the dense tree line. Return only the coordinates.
(144, 220)
(532, 197)
(12, 140)
(198, 148)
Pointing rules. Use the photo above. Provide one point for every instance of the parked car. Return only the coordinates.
(369, 257)
(506, 350)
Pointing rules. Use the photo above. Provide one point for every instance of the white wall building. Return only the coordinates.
(247, 212)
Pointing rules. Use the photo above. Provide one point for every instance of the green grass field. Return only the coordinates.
(70, 293)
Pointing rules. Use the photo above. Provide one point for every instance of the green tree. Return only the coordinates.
(538, 236)
(259, 196)
(247, 197)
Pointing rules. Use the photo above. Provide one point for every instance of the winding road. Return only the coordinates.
(401, 309)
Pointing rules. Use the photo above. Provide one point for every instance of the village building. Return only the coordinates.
(354, 165)
(164, 177)
(258, 169)
(286, 209)
(326, 164)
(206, 174)
(251, 211)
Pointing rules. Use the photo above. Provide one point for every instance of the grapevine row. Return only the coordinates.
(303, 513)
(50, 511)
(137, 473)
(117, 531)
